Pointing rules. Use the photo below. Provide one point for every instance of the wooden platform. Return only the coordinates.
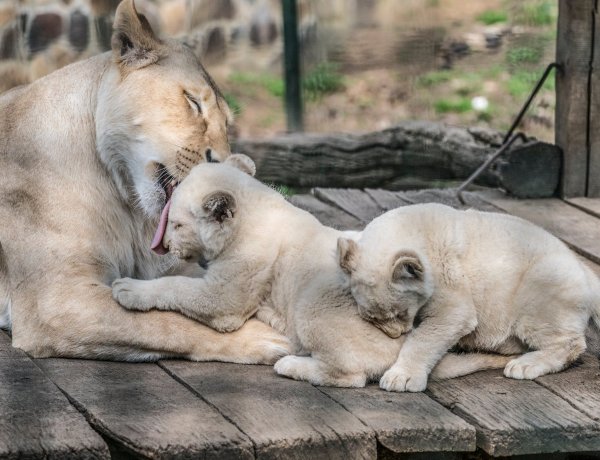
(58, 408)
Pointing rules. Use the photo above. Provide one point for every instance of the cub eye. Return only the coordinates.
(194, 103)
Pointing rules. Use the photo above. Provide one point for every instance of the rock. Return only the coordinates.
(45, 28)
(263, 29)
(215, 44)
(9, 43)
(79, 31)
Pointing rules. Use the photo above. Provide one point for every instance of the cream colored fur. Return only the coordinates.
(80, 155)
(487, 282)
(268, 258)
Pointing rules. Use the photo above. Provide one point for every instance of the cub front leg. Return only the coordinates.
(449, 319)
(317, 372)
(203, 299)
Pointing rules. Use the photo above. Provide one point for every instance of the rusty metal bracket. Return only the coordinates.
(510, 137)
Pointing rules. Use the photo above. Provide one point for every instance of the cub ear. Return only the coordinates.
(133, 42)
(219, 206)
(408, 267)
(242, 162)
(347, 250)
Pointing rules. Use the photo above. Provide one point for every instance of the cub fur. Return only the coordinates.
(88, 156)
(268, 258)
(482, 281)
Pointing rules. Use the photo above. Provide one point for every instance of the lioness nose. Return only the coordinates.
(209, 157)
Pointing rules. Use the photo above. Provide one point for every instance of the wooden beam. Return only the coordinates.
(594, 132)
(573, 53)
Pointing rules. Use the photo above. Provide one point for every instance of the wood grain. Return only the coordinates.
(580, 385)
(594, 132)
(353, 201)
(517, 417)
(589, 205)
(284, 418)
(327, 214)
(144, 412)
(573, 52)
(37, 421)
(387, 199)
(406, 422)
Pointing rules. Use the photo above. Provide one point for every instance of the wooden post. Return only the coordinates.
(573, 83)
(291, 51)
(594, 124)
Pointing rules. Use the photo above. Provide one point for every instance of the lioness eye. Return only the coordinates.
(194, 104)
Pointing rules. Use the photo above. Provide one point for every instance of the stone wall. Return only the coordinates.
(38, 37)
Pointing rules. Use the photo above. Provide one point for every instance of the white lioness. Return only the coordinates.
(88, 155)
(269, 258)
(484, 281)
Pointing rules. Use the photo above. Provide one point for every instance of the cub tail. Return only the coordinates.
(458, 364)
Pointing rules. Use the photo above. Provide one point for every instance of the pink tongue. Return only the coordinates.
(157, 245)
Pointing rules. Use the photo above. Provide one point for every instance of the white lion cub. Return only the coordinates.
(481, 280)
(269, 258)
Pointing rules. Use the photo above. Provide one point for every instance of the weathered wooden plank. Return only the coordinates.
(327, 214)
(355, 202)
(387, 199)
(36, 419)
(284, 418)
(573, 52)
(517, 417)
(594, 132)
(449, 198)
(144, 412)
(589, 205)
(576, 228)
(406, 422)
(579, 385)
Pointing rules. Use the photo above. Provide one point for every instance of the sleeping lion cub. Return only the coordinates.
(484, 281)
(268, 258)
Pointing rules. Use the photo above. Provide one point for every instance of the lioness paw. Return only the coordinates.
(398, 379)
(130, 294)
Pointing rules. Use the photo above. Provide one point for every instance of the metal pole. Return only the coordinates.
(291, 51)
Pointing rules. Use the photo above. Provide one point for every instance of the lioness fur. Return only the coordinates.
(485, 281)
(83, 152)
(268, 258)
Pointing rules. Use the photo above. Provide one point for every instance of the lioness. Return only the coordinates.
(487, 281)
(269, 258)
(89, 156)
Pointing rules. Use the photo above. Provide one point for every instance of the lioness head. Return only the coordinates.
(203, 216)
(159, 112)
(389, 286)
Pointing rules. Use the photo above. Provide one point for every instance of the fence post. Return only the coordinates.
(574, 52)
(291, 51)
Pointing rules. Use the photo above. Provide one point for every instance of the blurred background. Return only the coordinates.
(366, 64)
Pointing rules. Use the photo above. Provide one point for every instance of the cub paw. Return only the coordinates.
(129, 294)
(523, 370)
(397, 379)
(291, 366)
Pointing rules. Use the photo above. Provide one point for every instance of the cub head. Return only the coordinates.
(159, 113)
(389, 285)
(204, 215)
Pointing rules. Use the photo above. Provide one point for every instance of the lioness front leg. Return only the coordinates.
(83, 321)
(202, 299)
(451, 319)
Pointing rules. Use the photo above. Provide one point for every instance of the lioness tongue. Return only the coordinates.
(157, 245)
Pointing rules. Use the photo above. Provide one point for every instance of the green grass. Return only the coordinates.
(524, 55)
(274, 85)
(459, 105)
(323, 79)
(434, 78)
(537, 13)
(521, 83)
(284, 190)
(490, 17)
(233, 103)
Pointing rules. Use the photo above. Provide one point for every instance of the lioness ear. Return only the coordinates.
(242, 162)
(408, 267)
(347, 249)
(133, 42)
(220, 206)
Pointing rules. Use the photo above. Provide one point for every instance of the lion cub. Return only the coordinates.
(267, 258)
(482, 281)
